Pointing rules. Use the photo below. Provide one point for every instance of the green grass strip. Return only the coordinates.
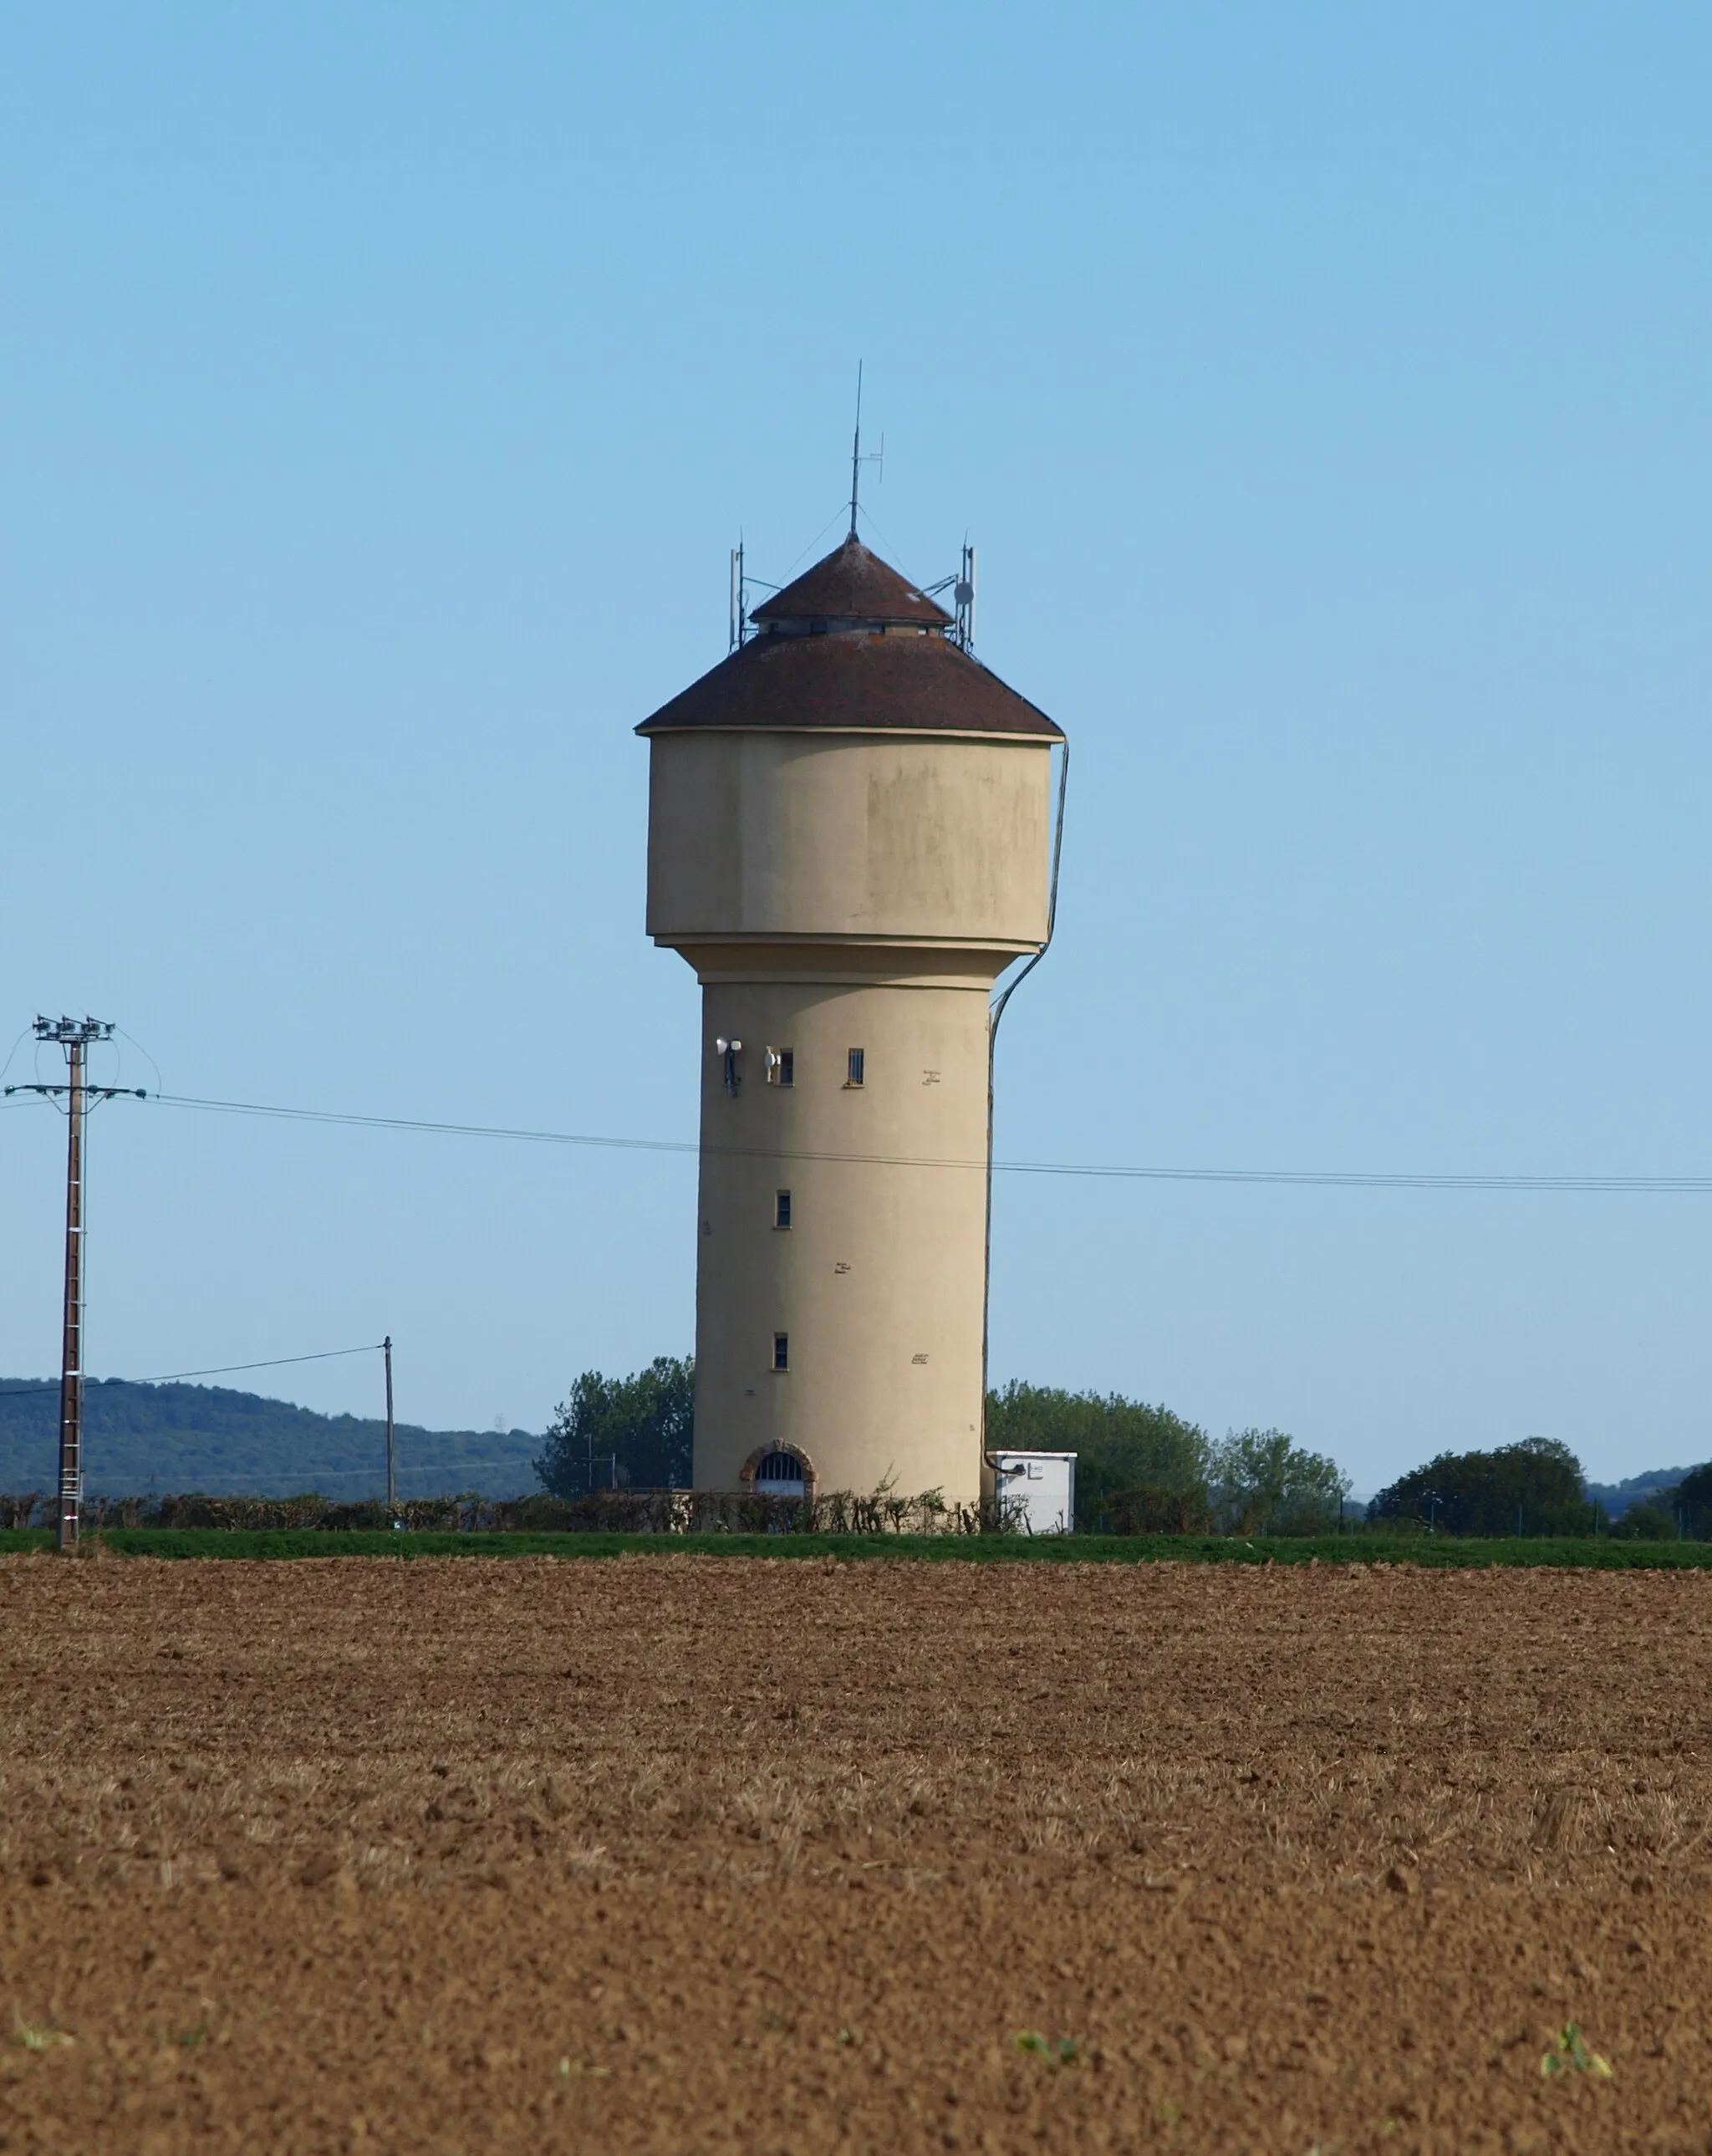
(1358, 1548)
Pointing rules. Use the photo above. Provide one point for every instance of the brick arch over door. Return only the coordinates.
(810, 1475)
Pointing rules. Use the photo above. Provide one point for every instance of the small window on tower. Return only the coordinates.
(781, 1351)
(855, 1067)
(782, 1208)
(781, 1067)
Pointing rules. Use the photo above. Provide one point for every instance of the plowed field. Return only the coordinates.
(687, 1854)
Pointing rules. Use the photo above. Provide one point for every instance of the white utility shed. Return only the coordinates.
(1038, 1489)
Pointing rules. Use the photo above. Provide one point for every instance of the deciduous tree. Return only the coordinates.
(635, 1430)
(1534, 1487)
(1265, 1483)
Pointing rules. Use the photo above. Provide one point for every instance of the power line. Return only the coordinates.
(1321, 1178)
(220, 1370)
(274, 1363)
(435, 1129)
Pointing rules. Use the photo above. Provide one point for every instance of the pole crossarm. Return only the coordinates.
(89, 1092)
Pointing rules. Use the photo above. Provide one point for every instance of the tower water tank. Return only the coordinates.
(848, 840)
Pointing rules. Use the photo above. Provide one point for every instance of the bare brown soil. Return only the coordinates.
(684, 1855)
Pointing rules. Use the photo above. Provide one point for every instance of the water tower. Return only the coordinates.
(849, 823)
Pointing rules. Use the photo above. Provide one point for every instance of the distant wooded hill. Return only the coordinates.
(1617, 1497)
(205, 1438)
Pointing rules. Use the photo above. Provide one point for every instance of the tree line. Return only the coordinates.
(1139, 1469)
(1535, 1487)
(1144, 1470)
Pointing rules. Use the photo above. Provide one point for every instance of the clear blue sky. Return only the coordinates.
(1325, 388)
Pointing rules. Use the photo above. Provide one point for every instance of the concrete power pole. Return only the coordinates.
(392, 1452)
(75, 1036)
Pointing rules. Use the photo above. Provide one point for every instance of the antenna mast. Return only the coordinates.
(857, 459)
(964, 594)
(856, 453)
(740, 630)
(962, 587)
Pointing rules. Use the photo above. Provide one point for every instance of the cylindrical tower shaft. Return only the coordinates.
(842, 1192)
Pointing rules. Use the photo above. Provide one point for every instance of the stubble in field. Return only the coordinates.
(684, 1854)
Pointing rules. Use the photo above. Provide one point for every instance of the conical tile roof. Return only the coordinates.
(890, 681)
(850, 585)
(851, 648)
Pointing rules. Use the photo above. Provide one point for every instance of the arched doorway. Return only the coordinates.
(779, 1474)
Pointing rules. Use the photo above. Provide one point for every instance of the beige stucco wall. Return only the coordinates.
(919, 837)
(837, 892)
(877, 1281)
